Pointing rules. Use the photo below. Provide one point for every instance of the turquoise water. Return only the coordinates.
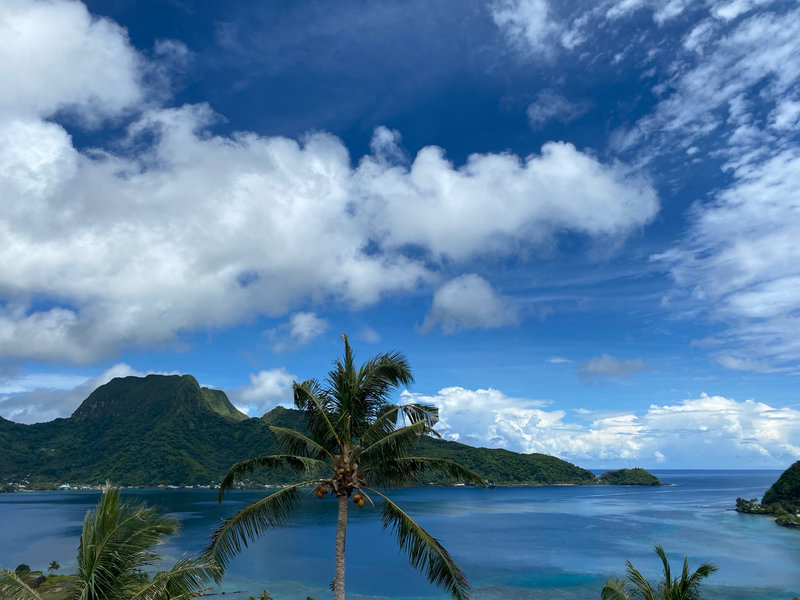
(513, 543)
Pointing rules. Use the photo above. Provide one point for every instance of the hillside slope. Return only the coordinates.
(166, 429)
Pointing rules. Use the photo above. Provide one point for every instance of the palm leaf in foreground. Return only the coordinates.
(299, 464)
(615, 589)
(13, 588)
(117, 542)
(685, 587)
(186, 580)
(424, 551)
(404, 471)
(244, 527)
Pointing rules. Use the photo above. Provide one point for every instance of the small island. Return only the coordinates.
(636, 476)
(782, 500)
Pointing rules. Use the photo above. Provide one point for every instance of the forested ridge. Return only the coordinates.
(167, 429)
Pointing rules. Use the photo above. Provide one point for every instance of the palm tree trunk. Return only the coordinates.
(341, 532)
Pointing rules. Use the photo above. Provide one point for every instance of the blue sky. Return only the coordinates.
(580, 221)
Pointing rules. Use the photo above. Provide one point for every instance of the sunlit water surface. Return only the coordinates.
(513, 543)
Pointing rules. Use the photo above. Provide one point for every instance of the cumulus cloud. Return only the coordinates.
(497, 202)
(57, 56)
(36, 398)
(267, 389)
(550, 105)
(186, 230)
(704, 432)
(301, 330)
(606, 366)
(469, 302)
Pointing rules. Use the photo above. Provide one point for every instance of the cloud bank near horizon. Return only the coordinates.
(704, 432)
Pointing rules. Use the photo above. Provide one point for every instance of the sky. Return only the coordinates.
(579, 221)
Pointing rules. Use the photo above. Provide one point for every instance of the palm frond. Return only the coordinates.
(403, 471)
(615, 589)
(667, 582)
(395, 444)
(187, 579)
(298, 444)
(360, 395)
(424, 551)
(316, 404)
(13, 588)
(115, 543)
(300, 464)
(421, 412)
(692, 583)
(640, 583)
(238, 531)
(380, 427)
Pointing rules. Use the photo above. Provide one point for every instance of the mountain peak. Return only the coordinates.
(153, 397)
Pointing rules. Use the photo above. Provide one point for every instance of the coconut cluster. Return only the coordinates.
(344, 483)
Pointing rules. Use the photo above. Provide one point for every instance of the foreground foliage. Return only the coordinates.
(116, 545)
(350, 445)
(636, 587)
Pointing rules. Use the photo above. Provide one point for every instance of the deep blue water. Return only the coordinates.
(513, 543)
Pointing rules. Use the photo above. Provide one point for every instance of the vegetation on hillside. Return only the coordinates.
(782, 500)
(166, 429)
(635, 476)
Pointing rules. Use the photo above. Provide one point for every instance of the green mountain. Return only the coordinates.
(636, 476)
(785, 491)
(166, 429)
(781, 500)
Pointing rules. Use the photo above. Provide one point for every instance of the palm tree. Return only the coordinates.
(54, 566)
(353, 444)
(116, 543)
(685, 587)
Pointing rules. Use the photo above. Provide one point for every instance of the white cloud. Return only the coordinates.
(469, 302)
(40, 397)
(550, 105)
(369, 335)
(704, 432)
(730, 93)
(741, 262)
(188, 230)
(728, 11)
(527, 23)
(607, 366)
(55, 55)
(301, 330)
(785, 115)
(558, 360)
(267, 389)
(497, 202)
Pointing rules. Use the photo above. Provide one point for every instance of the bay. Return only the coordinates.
(558, 542)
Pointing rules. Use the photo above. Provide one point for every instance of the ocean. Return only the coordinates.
(515, 543)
